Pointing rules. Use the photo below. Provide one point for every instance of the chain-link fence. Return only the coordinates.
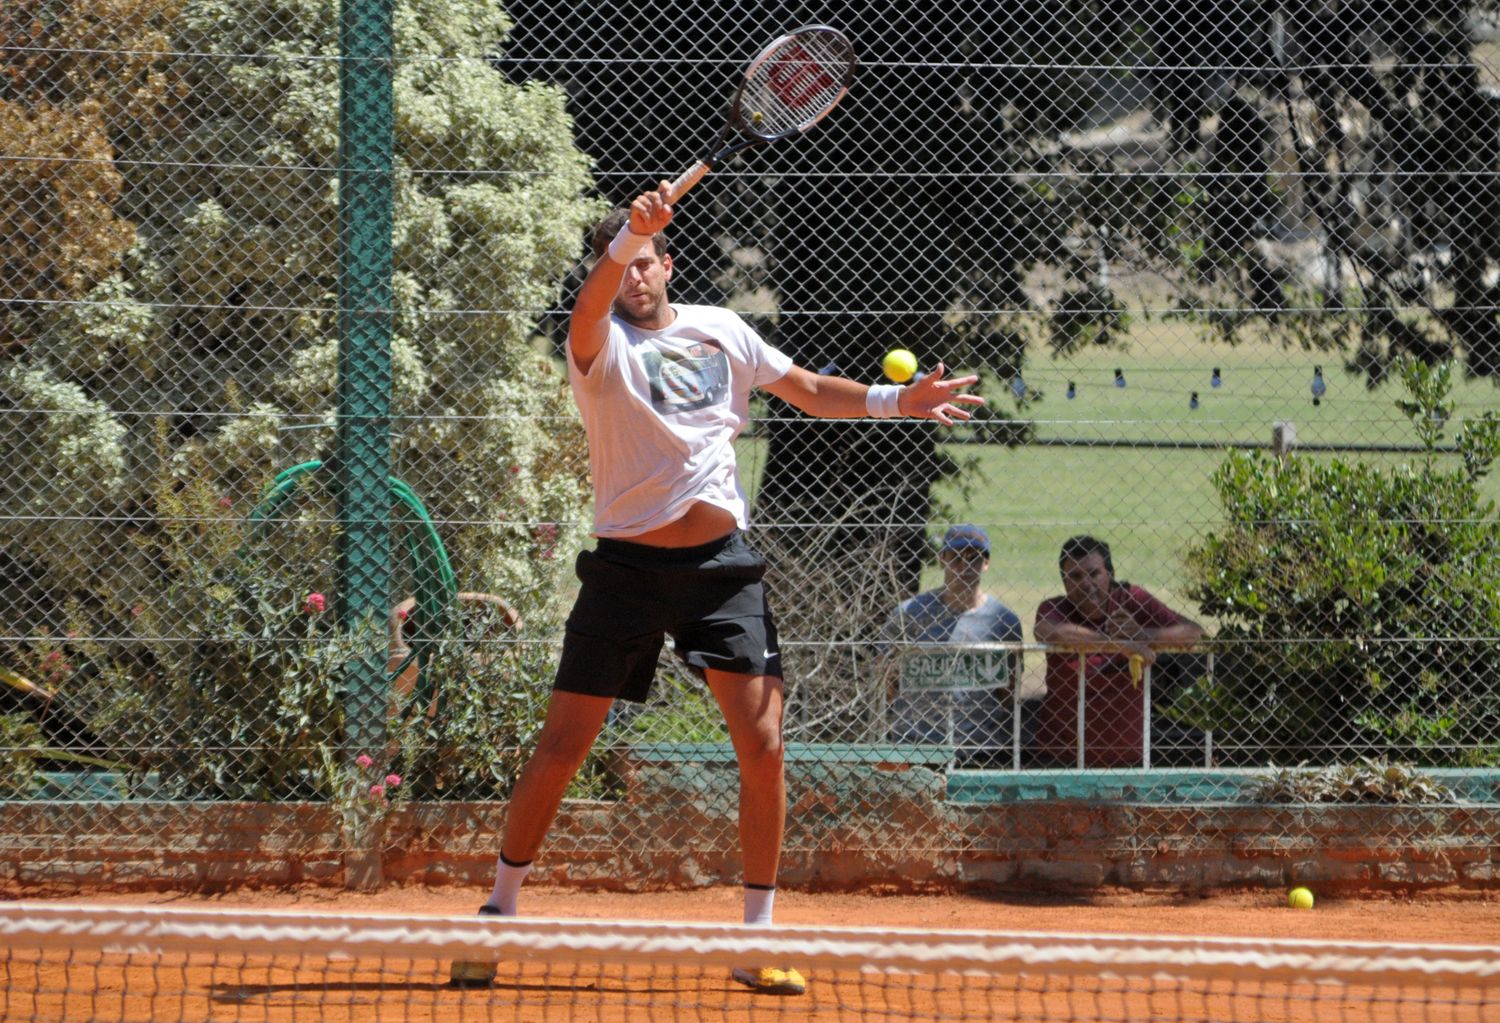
(1229, 272)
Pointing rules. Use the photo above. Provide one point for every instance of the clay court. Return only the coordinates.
(299, 986)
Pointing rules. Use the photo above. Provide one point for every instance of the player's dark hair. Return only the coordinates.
(1076, 548)
(606, 229)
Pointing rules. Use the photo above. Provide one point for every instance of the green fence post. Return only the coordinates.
(363, 457)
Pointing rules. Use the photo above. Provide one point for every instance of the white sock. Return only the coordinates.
(758, 905)
(508, 878)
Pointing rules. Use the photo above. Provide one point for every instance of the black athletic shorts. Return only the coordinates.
(709, 599)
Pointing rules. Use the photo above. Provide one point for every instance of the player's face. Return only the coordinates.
(1087, 582)
(642, 297)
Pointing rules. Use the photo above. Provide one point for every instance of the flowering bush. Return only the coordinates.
(491, 686)
(228, 680)
(362, 795)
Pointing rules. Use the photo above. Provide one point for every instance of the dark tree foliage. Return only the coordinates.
(1362, 124)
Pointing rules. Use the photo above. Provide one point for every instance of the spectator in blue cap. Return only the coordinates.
(975, 721)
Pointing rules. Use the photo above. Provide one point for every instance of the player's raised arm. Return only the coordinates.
(588, 327)
(831, 397)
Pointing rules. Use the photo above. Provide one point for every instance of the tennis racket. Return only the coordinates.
(788, 88)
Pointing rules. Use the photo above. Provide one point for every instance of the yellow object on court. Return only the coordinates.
(1137, 668)
(1299, 898)
(899, 365)
(771, 980)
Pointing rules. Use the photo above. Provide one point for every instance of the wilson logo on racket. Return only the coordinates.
(797, 79)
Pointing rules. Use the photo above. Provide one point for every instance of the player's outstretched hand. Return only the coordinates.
(933, 397)
(649, 213)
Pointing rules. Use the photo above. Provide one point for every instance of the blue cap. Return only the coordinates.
(965, 537)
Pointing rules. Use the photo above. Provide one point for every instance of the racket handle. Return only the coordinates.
(686, 181)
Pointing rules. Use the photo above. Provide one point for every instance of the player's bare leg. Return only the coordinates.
(568, 733)
(752, 708)
(751, 705)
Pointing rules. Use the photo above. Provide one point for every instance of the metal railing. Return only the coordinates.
(953, 664)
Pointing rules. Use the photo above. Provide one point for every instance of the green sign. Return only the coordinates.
(954, 671)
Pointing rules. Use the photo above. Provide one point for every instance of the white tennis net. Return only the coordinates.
(69, 963)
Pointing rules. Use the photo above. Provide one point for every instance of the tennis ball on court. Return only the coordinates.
(1299, 898)
(899, 365)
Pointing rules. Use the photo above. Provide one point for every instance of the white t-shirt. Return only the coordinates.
(662, 409)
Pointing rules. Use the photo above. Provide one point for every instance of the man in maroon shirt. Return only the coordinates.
(1115, 622)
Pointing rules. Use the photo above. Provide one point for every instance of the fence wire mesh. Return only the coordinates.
(1229, 272)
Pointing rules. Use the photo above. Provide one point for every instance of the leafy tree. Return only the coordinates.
(222, 310)
(1358, 605)
(1362, 125)
(72, 78)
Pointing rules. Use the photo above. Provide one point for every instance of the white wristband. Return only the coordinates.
(627, 246)
(882, 401)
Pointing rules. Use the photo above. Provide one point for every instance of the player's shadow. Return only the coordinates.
(434, 991)
(1038, 899)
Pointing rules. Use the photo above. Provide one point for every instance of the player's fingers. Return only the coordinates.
(962, 381)
(968, 399)
(664, 200)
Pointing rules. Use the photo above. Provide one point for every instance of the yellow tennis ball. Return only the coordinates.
(757, 117)
(899, 365)
(1299, 898)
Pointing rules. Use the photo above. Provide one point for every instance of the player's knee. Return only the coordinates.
(763, 757)
(559, 754)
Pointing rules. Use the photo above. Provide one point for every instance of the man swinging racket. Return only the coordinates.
(663, 391)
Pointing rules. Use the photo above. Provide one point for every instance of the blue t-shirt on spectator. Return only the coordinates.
(980, 718)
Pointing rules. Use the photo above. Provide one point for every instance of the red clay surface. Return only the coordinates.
(58, 987)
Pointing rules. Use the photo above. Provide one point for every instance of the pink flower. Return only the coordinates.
(378, 791)
(226, 502)
(364, 760)
(546, 535)
(515, 470)
(136, 610)
(392, 780)
(315, 604)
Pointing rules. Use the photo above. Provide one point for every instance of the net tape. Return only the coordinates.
(136, 930)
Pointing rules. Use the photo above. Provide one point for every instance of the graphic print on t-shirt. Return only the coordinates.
(681, 382)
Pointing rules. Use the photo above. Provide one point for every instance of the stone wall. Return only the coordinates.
(860, 825)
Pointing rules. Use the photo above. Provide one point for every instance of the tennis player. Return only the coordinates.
(663, 391)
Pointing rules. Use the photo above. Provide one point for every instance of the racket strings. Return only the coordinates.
(790, 88)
